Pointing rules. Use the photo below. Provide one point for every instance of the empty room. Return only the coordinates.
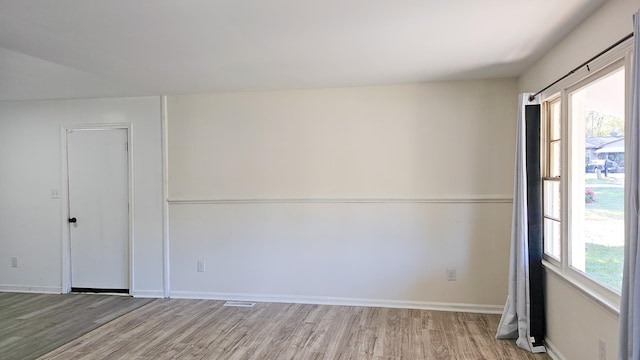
(315, 179)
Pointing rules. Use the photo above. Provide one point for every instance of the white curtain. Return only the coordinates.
(630, 301)
(516, 317)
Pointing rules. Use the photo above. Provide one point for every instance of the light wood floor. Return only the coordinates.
(202, 329)
(33, 324)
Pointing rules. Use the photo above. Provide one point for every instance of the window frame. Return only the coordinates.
(620, 56)
(545, 164)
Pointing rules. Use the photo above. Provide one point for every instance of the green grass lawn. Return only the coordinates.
(602, 180)
(604, 263)
(609, 202)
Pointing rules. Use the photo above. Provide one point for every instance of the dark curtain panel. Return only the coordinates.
(534, 211)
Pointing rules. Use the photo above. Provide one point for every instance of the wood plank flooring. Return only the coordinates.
(203, 329)
(34, 324)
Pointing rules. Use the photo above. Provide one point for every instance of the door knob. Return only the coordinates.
(73, 220)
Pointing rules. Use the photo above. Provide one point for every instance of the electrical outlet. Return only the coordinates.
(602, 350)
(451, 274)
(201, 265)
(55, 193)
(14, 261)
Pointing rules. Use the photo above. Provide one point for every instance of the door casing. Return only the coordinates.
(64, 204)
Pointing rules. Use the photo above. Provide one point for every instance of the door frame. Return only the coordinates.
(64, 196)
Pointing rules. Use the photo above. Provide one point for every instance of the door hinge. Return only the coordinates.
(126, 146)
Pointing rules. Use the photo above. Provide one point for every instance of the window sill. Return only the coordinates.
(609, 303)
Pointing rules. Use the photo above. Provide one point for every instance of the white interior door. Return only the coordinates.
(98, 170)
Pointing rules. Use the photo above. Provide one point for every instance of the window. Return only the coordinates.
(583, 179)
(597, 220)
(551, 180)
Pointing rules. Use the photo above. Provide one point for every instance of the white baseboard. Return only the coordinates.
(31, 289)
(157, 294)
(553, 351)
(319, 300)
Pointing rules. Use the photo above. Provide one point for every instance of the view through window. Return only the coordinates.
(596, 114)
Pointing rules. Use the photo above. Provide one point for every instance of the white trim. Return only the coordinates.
(64, 213)
(66, 248)
(30, 289)
(552, 350)
(321, 300)
(164, 127)
(584, 290)
(132, 207)
(494, 198)
(156, 294)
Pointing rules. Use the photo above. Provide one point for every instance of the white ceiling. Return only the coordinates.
(79, 48)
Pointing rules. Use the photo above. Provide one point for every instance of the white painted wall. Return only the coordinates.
(360, 251)
(574, 324)
(31, 165)
(396, 141)
(610, 23)
(286, 195)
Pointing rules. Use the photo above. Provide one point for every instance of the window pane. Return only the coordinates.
(554, 121)
(552, 238)
(554, 159)
(552, 199)
(597, 218)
